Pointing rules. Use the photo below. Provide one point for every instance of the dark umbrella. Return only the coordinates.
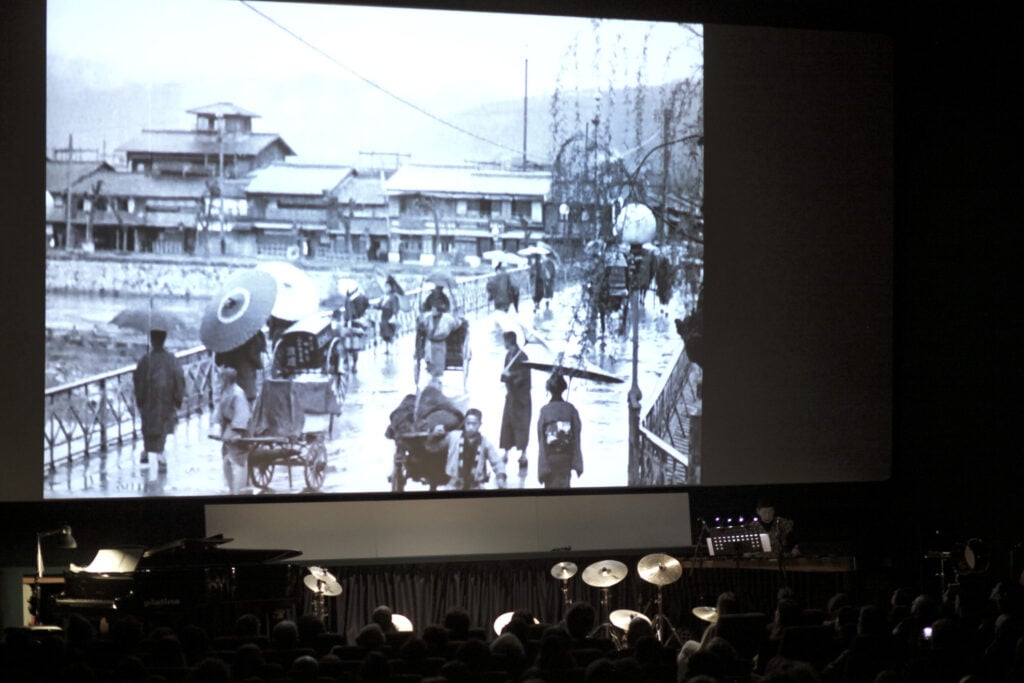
(239, 311)
(146, 319)
(580, 373)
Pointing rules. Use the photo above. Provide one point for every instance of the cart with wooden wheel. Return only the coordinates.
(297, 404)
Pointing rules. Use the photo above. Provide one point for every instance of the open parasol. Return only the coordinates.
(592, 374)
(551, 251)
(533, 250)
(297, 293)
(525, 334)
(238, 311)
(145, 319)
(497, 256)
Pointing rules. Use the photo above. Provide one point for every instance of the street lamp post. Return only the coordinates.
(563, 218)
(637, 225)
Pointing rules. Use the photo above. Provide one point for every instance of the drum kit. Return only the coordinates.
(324, 585)
(658, 569)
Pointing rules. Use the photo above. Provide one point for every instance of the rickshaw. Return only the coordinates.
(420, 454)
(302, 394)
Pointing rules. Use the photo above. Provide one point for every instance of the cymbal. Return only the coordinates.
(659, 569)
(709, 614)
(329, 588)
(564, 571)
(322, 574)
(604, 574)
(621, 618)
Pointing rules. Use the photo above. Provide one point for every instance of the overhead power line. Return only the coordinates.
(373, 84)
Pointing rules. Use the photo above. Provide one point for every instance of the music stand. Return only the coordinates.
(737, 541)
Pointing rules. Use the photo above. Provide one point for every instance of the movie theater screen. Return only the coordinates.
(409, 232)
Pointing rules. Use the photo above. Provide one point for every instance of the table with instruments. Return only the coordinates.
(756, 580)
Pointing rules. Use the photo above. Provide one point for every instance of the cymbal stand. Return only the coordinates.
(661, 622)
(606, 629)
(566, 603)
(319, 605)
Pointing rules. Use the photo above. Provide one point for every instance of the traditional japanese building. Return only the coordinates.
(463, 210)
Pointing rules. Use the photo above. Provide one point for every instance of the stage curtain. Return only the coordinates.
(424, 592)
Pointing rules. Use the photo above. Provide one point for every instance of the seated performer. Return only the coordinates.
(779, 529)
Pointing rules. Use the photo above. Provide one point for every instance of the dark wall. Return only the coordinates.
(956, 364)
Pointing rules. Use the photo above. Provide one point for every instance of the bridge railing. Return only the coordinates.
(665, 429)
(94, 414)
(97, 413)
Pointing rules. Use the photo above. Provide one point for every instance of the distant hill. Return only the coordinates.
(323, 119)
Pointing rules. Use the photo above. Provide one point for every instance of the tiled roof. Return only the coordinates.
(363, 190)
(223, 109)
(297, 179)
(191, 142)
(57, 172)
(141, 185)
(465, 180)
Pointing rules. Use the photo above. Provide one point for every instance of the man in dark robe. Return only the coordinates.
(515, 420)
(159, 390)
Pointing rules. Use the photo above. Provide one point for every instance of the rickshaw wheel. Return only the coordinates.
(399, 475)
(316, 464)
(261, 474)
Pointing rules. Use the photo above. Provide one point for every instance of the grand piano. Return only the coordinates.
(185, 581)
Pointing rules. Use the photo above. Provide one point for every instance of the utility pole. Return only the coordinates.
(526, 79)
(662, 228)
(68, 232)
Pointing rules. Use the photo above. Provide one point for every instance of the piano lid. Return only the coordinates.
(110, 560)
(208, 551)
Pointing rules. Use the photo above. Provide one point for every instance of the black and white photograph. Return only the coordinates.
(329, 249)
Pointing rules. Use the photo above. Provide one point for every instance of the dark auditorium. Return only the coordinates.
(855, 515)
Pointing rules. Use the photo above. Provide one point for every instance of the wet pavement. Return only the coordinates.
(360, 458)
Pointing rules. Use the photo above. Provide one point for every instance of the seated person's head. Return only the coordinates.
(310, 626)
(638, 628)
(765, 510)
(382, 617)
(580, 619)
(436, 637)
(457, 621)
(726, 603)
(471, 425)
(285, 634)
(370, 637)
(247, 625)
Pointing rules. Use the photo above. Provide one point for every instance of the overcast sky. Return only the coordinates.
(434, 59)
